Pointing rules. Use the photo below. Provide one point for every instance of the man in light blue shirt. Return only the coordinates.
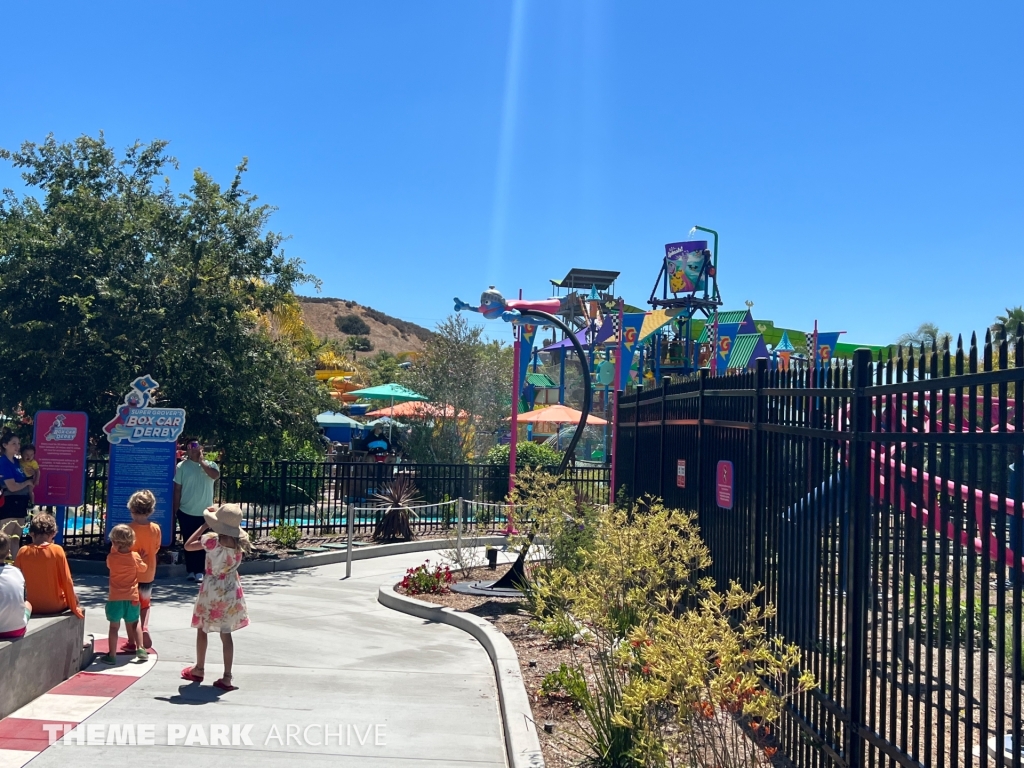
(193, 493)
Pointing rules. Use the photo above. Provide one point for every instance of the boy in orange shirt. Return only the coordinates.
(125, 567)
(147, 543)
(48, 584)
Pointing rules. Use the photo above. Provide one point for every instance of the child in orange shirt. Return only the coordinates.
(47, 576)
(147, 544)
(125, 567)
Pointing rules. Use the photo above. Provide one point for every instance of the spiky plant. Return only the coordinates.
(396, 499)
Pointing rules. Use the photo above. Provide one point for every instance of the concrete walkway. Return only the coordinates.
(392, 690)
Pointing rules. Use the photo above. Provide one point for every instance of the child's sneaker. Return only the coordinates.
(108, 658)
(142, 655)
(127, 647)
(147, 641)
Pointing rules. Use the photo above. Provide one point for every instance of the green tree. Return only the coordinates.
(1010, 325)
(382, 368)
(468, 382)
(108, 274)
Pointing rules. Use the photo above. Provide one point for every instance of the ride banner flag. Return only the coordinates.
(827, 346)
(726, 335)
(632, 322)
(528, 335)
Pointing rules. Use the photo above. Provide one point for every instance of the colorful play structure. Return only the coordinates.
(685, 329)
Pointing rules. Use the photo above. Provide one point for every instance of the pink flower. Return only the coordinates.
(216, 613)
(238, 593)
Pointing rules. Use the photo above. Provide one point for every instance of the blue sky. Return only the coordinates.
(862, 161)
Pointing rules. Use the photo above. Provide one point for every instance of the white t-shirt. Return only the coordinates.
(12, 599)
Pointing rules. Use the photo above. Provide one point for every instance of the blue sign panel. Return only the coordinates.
(143, 442)
(138, 467)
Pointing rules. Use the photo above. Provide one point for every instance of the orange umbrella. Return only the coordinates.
(415, 408)
(559, 414)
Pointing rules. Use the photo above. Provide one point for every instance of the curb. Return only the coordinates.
(26, 732)
(250, 567)
(522, 746)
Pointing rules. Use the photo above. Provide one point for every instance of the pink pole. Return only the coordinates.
(514, 437)
(615, 410)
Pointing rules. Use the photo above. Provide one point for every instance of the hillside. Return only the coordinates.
(385, 332)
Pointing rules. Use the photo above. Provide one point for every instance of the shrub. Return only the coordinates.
(423, 579)
(395, 499)
(527, 455)
(360, 344)
(568, 681)
(353, 325)
(287, 536)
(675, 670)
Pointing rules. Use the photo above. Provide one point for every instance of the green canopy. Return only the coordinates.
(396, 393)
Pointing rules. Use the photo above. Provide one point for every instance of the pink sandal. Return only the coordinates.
(186, 674)
(225, 686)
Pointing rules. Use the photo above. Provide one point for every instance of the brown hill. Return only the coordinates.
(385, 332)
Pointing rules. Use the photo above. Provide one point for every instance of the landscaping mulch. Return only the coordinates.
(538, 656)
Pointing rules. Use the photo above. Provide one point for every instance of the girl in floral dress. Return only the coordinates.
(220, 605)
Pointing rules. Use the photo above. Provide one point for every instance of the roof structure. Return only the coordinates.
(746, 348)
(540, 380)
(585, 279)
(785, 345)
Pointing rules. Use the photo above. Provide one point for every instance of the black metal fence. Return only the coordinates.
(879, 503)
(315, 496)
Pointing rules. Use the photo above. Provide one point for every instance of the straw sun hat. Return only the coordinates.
(226, 519)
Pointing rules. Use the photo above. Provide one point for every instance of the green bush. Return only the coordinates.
(568, 681)
(288, 536)
(353, 325)
(360, 343)
(527, 455)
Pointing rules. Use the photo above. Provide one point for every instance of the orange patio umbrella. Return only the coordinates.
(559, 414)
(414, 408)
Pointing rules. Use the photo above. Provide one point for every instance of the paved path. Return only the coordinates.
(401, 692)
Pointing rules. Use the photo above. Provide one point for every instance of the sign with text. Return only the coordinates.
(724, 484)
(143, 445)
(61, 439)
(680, 473)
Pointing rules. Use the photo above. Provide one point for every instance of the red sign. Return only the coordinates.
(680, 473)
(61, 439)
(724, 484)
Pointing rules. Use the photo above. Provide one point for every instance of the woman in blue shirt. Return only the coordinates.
(16, 487)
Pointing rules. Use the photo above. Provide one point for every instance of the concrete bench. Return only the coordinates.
(51, 650)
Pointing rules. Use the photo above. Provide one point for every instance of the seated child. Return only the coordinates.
(125, 568)
(14, 608)
(142, 504)
(30, 467)
(47, 576)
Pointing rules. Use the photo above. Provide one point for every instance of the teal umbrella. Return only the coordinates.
(396, 393)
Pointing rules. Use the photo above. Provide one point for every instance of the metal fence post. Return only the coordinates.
(859, 565)
(460, 509)
(633, 491)
(702, 377)
(661, 438)
(758, 527)
(349, 509)
(283, 489)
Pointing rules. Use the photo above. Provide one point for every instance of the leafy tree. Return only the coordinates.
(382, 368)
(359, 344)
(927, 334)
(108, 274)
(464, 377)
(353, 325)
(1010, 325)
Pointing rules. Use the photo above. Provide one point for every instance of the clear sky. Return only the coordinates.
(863, 162)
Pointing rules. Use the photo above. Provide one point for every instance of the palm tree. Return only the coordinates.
(1010, 325)
(396, 499)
